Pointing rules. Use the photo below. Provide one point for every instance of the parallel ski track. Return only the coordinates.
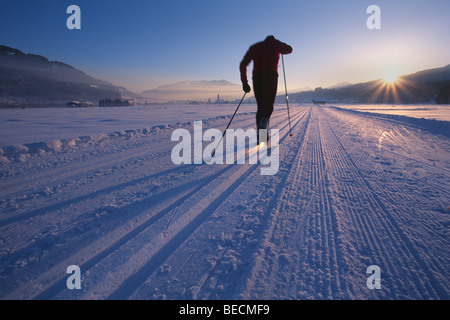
(376, 168)
(81, 167)
(263, 272)
(325, 241)
(117, 239)
(305, 188)
(202, 213)
(371, 215)
(298, 130)
(206, 270)
(85, 174)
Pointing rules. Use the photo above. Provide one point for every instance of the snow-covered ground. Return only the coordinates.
(426, 111)
(22, 126)
(97, 188)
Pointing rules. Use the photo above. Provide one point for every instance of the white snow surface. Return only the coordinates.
(426, 111)
(22, 126)
(97, 188)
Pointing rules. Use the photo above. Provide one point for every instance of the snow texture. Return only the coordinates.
(354, 189)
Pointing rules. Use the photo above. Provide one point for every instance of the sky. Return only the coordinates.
(142, 44)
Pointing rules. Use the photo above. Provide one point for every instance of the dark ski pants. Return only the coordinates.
(265, 88)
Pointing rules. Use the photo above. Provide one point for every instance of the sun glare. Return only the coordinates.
(390, 78)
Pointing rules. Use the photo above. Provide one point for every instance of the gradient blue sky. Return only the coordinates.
(142, 44)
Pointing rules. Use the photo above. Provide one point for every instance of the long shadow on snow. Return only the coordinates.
(66, 203)
(133, 282)
(137, 208)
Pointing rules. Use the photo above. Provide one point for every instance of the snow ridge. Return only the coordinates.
(23, 151)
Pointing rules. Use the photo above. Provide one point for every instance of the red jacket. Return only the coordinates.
(265, 56)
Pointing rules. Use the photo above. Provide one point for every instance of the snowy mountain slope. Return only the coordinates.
(352, 190)
(33, 80)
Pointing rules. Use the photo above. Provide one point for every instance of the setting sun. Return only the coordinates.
(390, 78)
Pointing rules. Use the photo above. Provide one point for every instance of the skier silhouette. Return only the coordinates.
(265, 56)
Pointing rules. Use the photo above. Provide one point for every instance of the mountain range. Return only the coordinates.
(427, 86)
(32, 80)
(195, 90)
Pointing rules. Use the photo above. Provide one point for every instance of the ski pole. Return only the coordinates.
(287, 98)
(235, 111)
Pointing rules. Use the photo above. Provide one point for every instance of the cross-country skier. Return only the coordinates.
(265, 56)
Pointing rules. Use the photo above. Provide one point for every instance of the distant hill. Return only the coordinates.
(340, 85)
(430, 75)
(427, 86)
(196, 90)
(33, 80)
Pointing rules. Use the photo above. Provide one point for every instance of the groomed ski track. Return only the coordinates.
(353, 190)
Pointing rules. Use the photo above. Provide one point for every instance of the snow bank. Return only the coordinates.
(21, 152)
(22, 126)
(434, 126)
(426, 111)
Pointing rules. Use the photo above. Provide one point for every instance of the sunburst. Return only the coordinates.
(390, 78)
